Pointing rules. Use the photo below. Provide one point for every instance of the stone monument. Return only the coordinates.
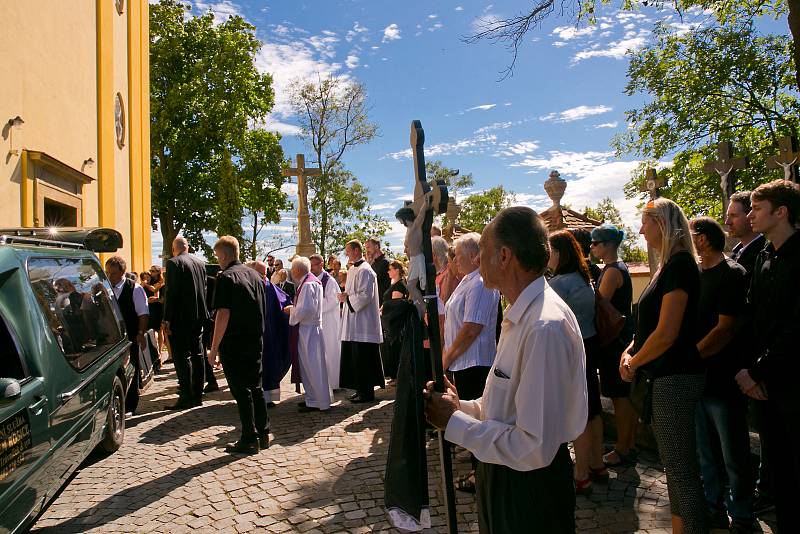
(305, 247)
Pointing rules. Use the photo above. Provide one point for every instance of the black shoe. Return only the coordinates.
(763, 503)
(211, 387)
(180, 405)
(353, 396)
(270, 404)
(718, 518)
(197, 403)
(263, 442)
(741, 526)
(358, 399)
(241, 447)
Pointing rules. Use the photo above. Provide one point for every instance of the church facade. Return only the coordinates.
(74, 118)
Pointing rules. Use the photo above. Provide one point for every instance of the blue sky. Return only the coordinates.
(558, 111)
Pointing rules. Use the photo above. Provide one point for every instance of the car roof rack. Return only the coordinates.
(94, 239)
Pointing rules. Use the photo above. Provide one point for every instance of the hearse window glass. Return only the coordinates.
(76, 300)
(10, 359)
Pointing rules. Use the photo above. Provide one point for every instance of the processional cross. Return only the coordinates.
(725, 167)
(305, 247)
(788, 158)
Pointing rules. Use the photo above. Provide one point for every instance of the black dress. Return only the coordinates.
(156, 310)
(390, 348)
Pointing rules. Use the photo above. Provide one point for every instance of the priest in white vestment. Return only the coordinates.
(306, 314)
(331, 319)
(361, 367)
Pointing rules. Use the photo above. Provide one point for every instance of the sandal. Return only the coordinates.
(617, 459)
(466, 483)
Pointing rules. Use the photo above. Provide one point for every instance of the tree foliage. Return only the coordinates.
(333, 118)
(606, 211)
(478, 209)
(204, 92)
(724, 83)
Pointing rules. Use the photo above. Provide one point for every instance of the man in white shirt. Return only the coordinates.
(306, 313)
(535, 396)
(331, 319)
(132, 301)
(361, 367)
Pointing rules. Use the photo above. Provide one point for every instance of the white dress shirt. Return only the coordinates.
(139, 297)
(472, 302)
(535, 397)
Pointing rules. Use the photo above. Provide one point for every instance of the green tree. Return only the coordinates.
(228, 208)
(204, 91)
(720, 83)
(478, 209)
(259, 172)
(333, 118)
(606, 211)
(346, 202)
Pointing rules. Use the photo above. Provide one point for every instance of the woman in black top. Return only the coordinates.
(614, 283)
(665, 346)
(390, 350)
(155, 302)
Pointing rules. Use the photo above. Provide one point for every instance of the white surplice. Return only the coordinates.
(361, 318)
(307, 314)
(331, 329)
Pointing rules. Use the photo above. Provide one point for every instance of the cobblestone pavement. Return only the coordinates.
(322, 473)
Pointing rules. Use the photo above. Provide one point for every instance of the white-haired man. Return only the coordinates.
(306, 314)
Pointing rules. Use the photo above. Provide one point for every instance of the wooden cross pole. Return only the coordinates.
(651, 185)
(305, 247)
(421, 188)
(787, 159)
(725, 167)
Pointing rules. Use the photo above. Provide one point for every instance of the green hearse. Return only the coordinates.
(64, 364)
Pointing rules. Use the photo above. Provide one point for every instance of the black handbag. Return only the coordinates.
(641, 396)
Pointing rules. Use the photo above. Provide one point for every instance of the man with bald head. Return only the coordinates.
(185, 311)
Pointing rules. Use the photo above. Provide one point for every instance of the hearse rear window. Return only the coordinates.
(76, 300)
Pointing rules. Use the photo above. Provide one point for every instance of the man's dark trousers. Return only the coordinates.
(187, 353)
(243, 373)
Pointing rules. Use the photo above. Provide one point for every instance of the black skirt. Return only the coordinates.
(361, 367)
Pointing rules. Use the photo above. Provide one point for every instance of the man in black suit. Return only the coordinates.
(185, 311)
(379, 264)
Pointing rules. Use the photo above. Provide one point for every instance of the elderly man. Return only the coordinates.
(306, 314)
(331, 319)
(362, 334)
(185, 311)
(237, 343)
(535, 396)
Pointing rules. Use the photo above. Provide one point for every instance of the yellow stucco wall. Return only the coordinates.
(63, 63)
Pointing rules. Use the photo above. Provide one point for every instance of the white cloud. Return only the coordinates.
(565, 33)
(432, 16)
(222, 10)
(607, 125)
(274, 124)
(391, 33)
(576, 113)
(394, 188)
(357, 30)
(559, 44)
(519, 148)
(477, 144)
(614, 50)
(482, 107)
(459, 8)
(437, 26)
(324, 45)
(352, 61)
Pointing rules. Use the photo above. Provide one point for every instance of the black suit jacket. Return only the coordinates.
(287, 288)
(381, 268)
(185, 304)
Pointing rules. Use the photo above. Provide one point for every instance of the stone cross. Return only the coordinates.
(305, 247)
(652, 183)
(725, 167)
(788, 158)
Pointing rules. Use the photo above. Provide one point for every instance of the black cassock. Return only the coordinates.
(406, 491)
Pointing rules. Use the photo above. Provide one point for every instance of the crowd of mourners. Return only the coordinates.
(709, 350)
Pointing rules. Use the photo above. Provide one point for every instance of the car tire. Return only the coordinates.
(115, 419)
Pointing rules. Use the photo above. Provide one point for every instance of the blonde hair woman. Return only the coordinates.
(664, 349)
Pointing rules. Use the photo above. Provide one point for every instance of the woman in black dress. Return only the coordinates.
(155, 302)
(390, 350)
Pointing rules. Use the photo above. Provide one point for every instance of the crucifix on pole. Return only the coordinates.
(725, 167)
(787, 159)
(651, 185)
(305, 247)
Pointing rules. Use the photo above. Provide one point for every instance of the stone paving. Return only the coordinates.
(322, 473)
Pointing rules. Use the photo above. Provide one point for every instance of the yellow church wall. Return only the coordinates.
(48, 66)
(58, 56)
